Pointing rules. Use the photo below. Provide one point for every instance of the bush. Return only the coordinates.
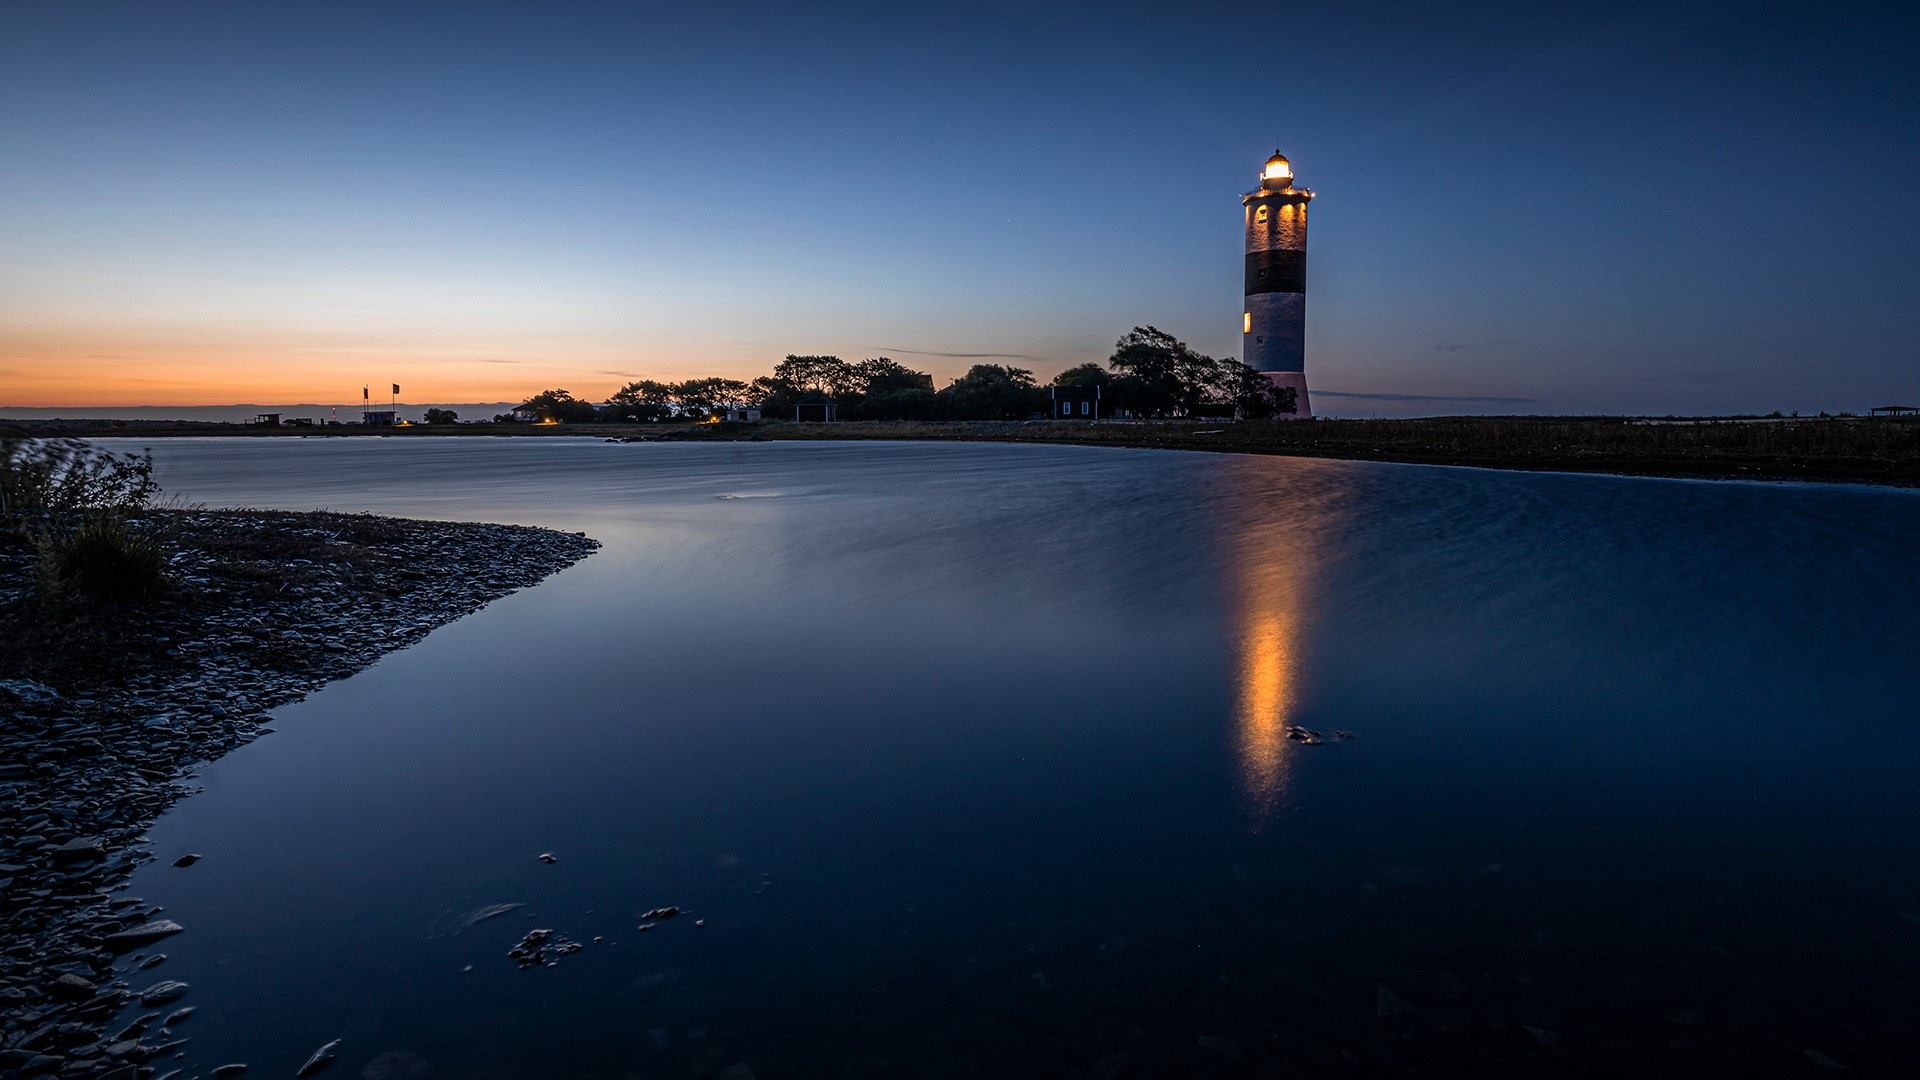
(105, 556)
(62, 476)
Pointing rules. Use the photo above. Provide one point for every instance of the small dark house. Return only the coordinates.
(815, 412)
(378, 417)
(1077, 403)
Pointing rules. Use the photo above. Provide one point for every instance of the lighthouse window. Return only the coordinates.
(1260, 216)
(1246, 322)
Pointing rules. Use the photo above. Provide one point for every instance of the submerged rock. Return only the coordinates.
(186, 860)
(321, 1058)
(162, 992)
(1225, 1047)
(453, 924)
(1826, 1062)
(1390, 1004)
(542, 947)
(144, 934)
(1545, 1036)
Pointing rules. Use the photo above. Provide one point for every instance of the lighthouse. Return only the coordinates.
(1273, 324)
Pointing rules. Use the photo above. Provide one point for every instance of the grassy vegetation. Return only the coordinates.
(77, 509)
(104, 555)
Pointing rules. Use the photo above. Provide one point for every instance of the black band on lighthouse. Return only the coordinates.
(1283, 270)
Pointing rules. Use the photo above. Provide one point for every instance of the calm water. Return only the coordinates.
(972, 757)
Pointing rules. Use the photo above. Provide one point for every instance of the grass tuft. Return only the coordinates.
(105, 556)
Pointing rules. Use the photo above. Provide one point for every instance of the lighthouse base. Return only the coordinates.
(1296, 381)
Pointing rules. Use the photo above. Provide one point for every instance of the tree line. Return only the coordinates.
(1150, 374)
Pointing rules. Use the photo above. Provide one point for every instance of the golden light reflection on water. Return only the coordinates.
(1276, 552)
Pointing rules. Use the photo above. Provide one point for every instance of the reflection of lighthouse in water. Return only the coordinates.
(1280, 525)
(1274, 323)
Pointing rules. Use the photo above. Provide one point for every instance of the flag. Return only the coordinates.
(396, 388)
(363, 393)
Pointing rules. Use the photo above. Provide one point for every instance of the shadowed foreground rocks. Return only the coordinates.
(106, 708)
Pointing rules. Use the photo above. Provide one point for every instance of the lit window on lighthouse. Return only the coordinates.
(1260, 216)
(1246, 322)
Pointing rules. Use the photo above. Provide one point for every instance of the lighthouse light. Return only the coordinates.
(1246, 322)
(1278, 170)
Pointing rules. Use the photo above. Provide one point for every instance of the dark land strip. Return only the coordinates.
(1844, 451)
(109, 706)
(1829, 449)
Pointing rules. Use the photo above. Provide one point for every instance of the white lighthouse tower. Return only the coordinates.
(1274, 324)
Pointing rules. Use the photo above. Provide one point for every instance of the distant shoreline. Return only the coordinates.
(1833, 450)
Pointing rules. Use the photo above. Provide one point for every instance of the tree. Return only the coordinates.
(1254, 395)
(560, 406)
(702, 397)
(817, 375)
(771, 396)
(888, 390)
(441, 416)
(731, 393)
(643, 400)
(1171, 377)
(992, 392)
(882, 375)
(1087, 374)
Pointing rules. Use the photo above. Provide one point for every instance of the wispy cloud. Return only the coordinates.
(1461, 399)
(496, 360)
(1476, 346)
(109, 356)
(964, 355)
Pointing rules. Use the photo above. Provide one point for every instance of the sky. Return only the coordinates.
(1671, 208)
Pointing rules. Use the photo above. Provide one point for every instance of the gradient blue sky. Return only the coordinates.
(1526, 207)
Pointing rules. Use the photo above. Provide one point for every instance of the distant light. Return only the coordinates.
(1246, 322)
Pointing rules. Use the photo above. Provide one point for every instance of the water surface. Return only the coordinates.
(974, 760)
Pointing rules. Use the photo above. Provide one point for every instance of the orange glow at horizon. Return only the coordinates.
(124, 369)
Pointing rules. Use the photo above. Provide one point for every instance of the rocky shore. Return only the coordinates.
(109, 707)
